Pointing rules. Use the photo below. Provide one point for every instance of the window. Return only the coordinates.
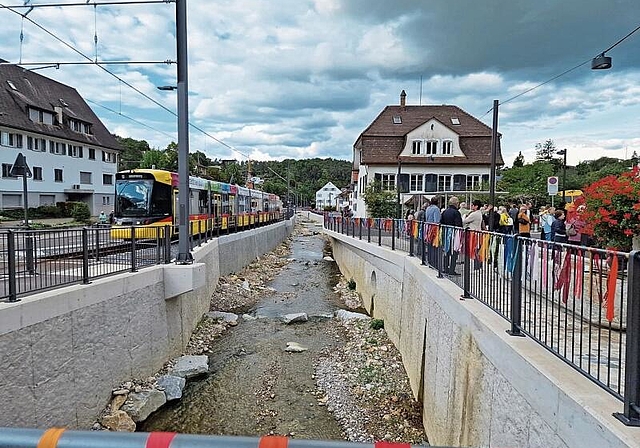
(473, 182)
(415, 182)
(37, 173)
(416, 147)
(12, 200)
(444, 182)
(92, 154)
(388, 181)
(79, 126)
(108, 157)
(11, 139)
(432, 147)
(397, 119)
(459, 182)
(447, 145)
(75, 151)
(57, 174)
(431, 182)
(106, 200)
(57, 147)
(40, 116)
(455, 120)
(107, 179)
(6, 171)
(47, 199)
(85, 178)
(36, 144)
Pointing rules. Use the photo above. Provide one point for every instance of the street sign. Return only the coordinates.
(552, 185)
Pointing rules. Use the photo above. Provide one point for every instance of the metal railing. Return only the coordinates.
(38, 260)
(60, 438)
(580, 303)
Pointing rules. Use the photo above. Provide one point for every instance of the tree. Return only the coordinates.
(380, 203)
(132, 153)
(518, 161)
(528, 182)
(153, 158)
(546, 151)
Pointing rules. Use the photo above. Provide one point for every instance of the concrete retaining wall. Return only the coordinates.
(479, 386)
(62, 351)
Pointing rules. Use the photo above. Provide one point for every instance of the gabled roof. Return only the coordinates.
(413, 116)
(21, 89)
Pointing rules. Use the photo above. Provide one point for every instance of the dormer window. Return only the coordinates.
(397, 119)
(79, 126)
(432, 147)
(416, 147)
(455, 120)
(40, 116)
(447, 146)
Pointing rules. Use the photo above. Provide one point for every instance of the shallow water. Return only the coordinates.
(254, 387)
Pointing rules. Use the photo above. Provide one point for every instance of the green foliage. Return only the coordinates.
(376, 324)
(528, 182)
(380, 203)
(519, 161)
(132, 153)
(80, 212)
(546, 151)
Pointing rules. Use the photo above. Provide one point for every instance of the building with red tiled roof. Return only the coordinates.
(444, 150)
(70, 153)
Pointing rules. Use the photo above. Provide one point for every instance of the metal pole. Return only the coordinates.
(466, 270)
(516, 288)
(631, 415)
(399, 211)
(26, 199)
(184, 253)
(85, 255)
(494, 155)
(11, 254)
(564, 177)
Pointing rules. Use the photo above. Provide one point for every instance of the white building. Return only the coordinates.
(70, 153)
(327, 196)
(443, 150)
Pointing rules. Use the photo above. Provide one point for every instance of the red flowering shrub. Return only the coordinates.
(613, 209)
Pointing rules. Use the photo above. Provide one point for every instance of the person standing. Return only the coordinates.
(524, 222)
(464, 211)
(513, 213)
(432, 215)
(451, 217)
(559, 228)
(420, 214)
(473, 219)
(546, 221)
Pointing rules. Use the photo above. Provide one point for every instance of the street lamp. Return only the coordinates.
(563, 152)
(601, 62)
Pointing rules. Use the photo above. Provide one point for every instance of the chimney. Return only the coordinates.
(403, 99)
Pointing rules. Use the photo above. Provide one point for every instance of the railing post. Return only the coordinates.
(412, 242)
(379, 232)
(466, 269)
(29, 253)
(133, 249)
(85, 255)
(516, 289)
(368, 230)
(11, 254)
(360, 228)
(97, 249)
(631, 415)
(167, 244)
(423, 246)
(393, 234)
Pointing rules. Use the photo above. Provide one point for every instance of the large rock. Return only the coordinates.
(190, 366)
(294, 347)
(172, 386)
(348, 315)
(294, 318)
(229, 318)
(118, 421)
(140, 405)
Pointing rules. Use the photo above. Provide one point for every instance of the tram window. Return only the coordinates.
(161, 199)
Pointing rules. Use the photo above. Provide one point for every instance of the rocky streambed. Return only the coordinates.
(281, 356)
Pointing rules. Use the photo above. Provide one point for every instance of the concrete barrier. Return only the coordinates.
(478, 385)
(64, 350)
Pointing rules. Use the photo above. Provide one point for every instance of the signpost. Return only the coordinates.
(552, 187)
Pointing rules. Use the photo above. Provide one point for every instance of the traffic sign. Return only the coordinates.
(552, 185)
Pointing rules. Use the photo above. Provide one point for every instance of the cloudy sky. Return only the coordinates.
(302, 78)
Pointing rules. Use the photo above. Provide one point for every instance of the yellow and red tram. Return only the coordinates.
(147, 199)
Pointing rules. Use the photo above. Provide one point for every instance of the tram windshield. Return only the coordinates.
(133, 197)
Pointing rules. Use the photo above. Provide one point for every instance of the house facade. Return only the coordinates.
(328, 196)
(70, 153)
(443, 150)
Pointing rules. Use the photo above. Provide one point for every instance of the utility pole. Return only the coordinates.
(184, 252)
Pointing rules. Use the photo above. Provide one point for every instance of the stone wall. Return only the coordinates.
(478, 385)
(64, 350)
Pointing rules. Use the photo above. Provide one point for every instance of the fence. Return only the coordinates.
(37, 260)
(580, 303)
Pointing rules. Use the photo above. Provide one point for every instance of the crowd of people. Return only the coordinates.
(555, 225)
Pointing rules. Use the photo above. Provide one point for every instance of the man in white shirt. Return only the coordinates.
(473, 220)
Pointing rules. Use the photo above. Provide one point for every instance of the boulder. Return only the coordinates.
(172, 386)
(294, 318)
(118, 421)
(190, 366)
(349, 315)
(229, 318)
(140, 405)
(294, 347)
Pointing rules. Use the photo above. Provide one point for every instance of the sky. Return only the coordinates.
(303, 78)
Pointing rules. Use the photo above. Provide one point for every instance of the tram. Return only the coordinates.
(148, 200)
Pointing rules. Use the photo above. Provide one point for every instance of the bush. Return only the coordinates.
(80, 212)
(376, 324)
